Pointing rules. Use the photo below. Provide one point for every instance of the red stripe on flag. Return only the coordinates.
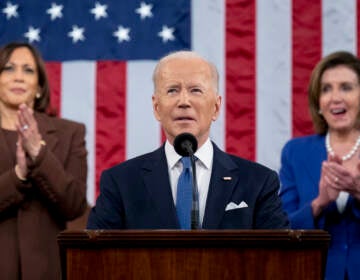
(110, 115)
(240, 77)
(306, 30)
(53, 70)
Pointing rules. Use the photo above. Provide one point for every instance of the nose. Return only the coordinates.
(336, 94)
(18, 75)
(184, 98)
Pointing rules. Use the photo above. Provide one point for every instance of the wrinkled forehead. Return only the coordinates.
(185, 70)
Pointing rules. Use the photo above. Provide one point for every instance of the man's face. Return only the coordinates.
(185, 98)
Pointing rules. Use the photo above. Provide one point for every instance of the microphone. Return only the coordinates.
(185, 144)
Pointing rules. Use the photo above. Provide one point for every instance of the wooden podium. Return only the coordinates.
(198, 255)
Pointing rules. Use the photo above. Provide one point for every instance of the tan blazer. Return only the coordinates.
(34, 212)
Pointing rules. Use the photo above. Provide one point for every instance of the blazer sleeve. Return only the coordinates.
(300, 215)
(63, 184)
(270, 213)
(11, 195)
(107, 212)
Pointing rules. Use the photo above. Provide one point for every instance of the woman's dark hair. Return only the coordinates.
(344, 58)
(41, 104)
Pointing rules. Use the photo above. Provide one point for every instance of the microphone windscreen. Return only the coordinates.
(185, 144)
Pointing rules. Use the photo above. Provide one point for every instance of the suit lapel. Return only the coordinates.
(220, 189)
(47, 130)
(157, 182)
(313, 159)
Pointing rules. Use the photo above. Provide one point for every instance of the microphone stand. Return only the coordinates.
(185, 144)
(195, 219)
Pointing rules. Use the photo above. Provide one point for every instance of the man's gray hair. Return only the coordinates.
(186, 55)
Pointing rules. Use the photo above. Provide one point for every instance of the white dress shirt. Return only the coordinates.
(341, 201)
(203, 164)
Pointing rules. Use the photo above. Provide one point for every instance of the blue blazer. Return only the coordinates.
(136, 194)
(300, 172)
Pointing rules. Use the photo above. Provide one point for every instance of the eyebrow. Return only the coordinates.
(26, 64)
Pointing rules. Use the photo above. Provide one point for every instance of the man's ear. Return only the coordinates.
(155, 107)
(217, 108)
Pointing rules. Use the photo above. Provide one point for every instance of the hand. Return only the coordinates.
(344, 179)
(28, 131)
(352, 183)
(21, 169)
(328, 188)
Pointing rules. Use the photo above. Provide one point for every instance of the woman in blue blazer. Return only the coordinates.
(320, 174)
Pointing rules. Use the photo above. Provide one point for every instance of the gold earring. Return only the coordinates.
(38, 95)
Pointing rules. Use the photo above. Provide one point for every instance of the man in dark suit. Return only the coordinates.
(233, 193)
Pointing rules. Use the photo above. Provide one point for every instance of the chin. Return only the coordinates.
(186, 131)
(344, 128)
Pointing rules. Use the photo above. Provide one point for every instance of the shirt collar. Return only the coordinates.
(204, 154)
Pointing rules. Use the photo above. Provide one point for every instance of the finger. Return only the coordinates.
(20, 129)
(27, 126)
(336, 184)
(21, 120)
(28, 119)
(327, 180)
(336, 170)
(335, 158)
(27, 115)
(329, 171)
(332, 182)
(19, 149)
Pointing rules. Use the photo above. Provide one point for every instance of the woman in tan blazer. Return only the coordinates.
(42, 168)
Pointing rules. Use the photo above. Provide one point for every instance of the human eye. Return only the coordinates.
(347, 87)
(29, 70)
(172, 90)
(325, 88)
(196, 90)
(8, 68)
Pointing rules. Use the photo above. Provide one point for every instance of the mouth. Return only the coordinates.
(338, 111)
(18, 90)
(184, 119)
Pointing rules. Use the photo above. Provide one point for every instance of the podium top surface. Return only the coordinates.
(205, 238)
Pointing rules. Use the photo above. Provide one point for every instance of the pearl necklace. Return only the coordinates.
(345, 157)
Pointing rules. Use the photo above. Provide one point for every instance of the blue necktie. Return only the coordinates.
(184, 195)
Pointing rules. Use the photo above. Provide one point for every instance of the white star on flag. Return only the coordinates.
(33, 34)
(10, 10)
(97, 58)
(144, 10)
(167, 34)
(55, 11)
(122, 34)
(99, 11)
(77, 34)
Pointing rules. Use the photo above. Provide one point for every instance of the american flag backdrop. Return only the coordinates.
(100, 56)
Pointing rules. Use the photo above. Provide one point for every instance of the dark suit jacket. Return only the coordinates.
(300, 171)
(34, 212)
(136, 194)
